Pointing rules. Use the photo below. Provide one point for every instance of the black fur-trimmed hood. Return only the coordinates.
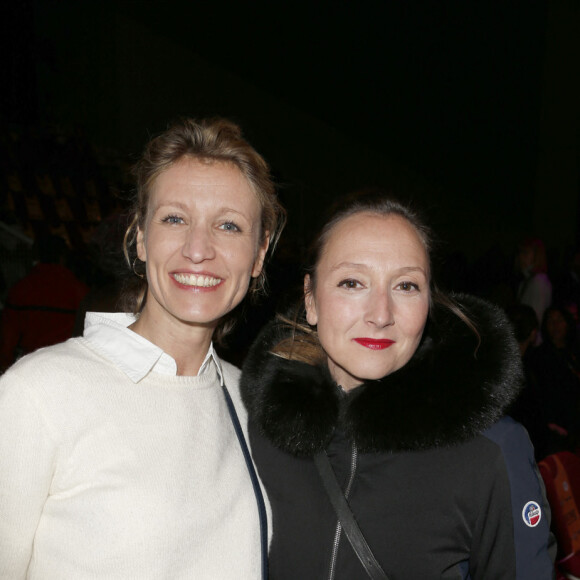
(451, 390)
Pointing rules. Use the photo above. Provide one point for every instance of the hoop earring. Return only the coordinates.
(135, 271)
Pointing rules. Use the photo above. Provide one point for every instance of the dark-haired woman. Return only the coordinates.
(395, 394)
(122, 453)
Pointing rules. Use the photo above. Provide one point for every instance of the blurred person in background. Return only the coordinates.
(529, 408)
(535, 288)
(556, 367)
(41, 308)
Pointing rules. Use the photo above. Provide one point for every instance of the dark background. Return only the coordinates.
(468, 108)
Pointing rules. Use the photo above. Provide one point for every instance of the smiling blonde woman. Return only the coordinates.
(122, 453)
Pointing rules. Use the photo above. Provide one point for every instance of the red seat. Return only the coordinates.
(561, 475)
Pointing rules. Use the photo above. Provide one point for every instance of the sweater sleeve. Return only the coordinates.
(27, 456)
(513, 539)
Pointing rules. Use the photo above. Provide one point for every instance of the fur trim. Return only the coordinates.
(451, 390)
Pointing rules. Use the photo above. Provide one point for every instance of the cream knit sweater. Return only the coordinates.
(105, 478)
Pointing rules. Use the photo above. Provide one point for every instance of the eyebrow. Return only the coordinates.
(184, 207)
(403, 270)
(175, 204)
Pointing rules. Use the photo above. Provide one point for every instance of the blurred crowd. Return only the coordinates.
(545, 319)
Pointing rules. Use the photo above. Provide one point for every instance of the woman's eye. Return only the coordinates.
(350, 284)
(408, 286)
(172, 219)
(230, 227)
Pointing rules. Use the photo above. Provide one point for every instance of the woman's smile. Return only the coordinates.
(196, 281)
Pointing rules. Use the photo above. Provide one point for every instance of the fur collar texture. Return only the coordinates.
(445, 395)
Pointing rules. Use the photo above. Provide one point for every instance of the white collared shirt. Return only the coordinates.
(132, 353)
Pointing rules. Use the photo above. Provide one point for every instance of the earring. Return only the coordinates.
(135, 271)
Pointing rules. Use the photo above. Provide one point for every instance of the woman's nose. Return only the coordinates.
(380, 309)
(198, 245)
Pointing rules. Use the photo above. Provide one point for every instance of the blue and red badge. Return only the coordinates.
(532, 514)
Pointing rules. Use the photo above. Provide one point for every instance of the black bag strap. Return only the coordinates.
(346, 518)
(255, 482)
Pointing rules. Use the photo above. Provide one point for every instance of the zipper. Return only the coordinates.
(337, 533)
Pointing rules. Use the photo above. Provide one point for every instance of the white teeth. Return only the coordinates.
(193, 280)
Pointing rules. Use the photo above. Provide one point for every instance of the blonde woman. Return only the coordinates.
(122, 453)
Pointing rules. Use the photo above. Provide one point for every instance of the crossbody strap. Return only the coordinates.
(346, 518)
(255, 483)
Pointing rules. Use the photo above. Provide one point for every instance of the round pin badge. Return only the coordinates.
(532, 514)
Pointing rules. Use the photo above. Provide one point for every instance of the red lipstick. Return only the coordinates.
(375, 343)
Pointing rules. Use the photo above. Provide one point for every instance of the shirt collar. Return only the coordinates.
(133, 354)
